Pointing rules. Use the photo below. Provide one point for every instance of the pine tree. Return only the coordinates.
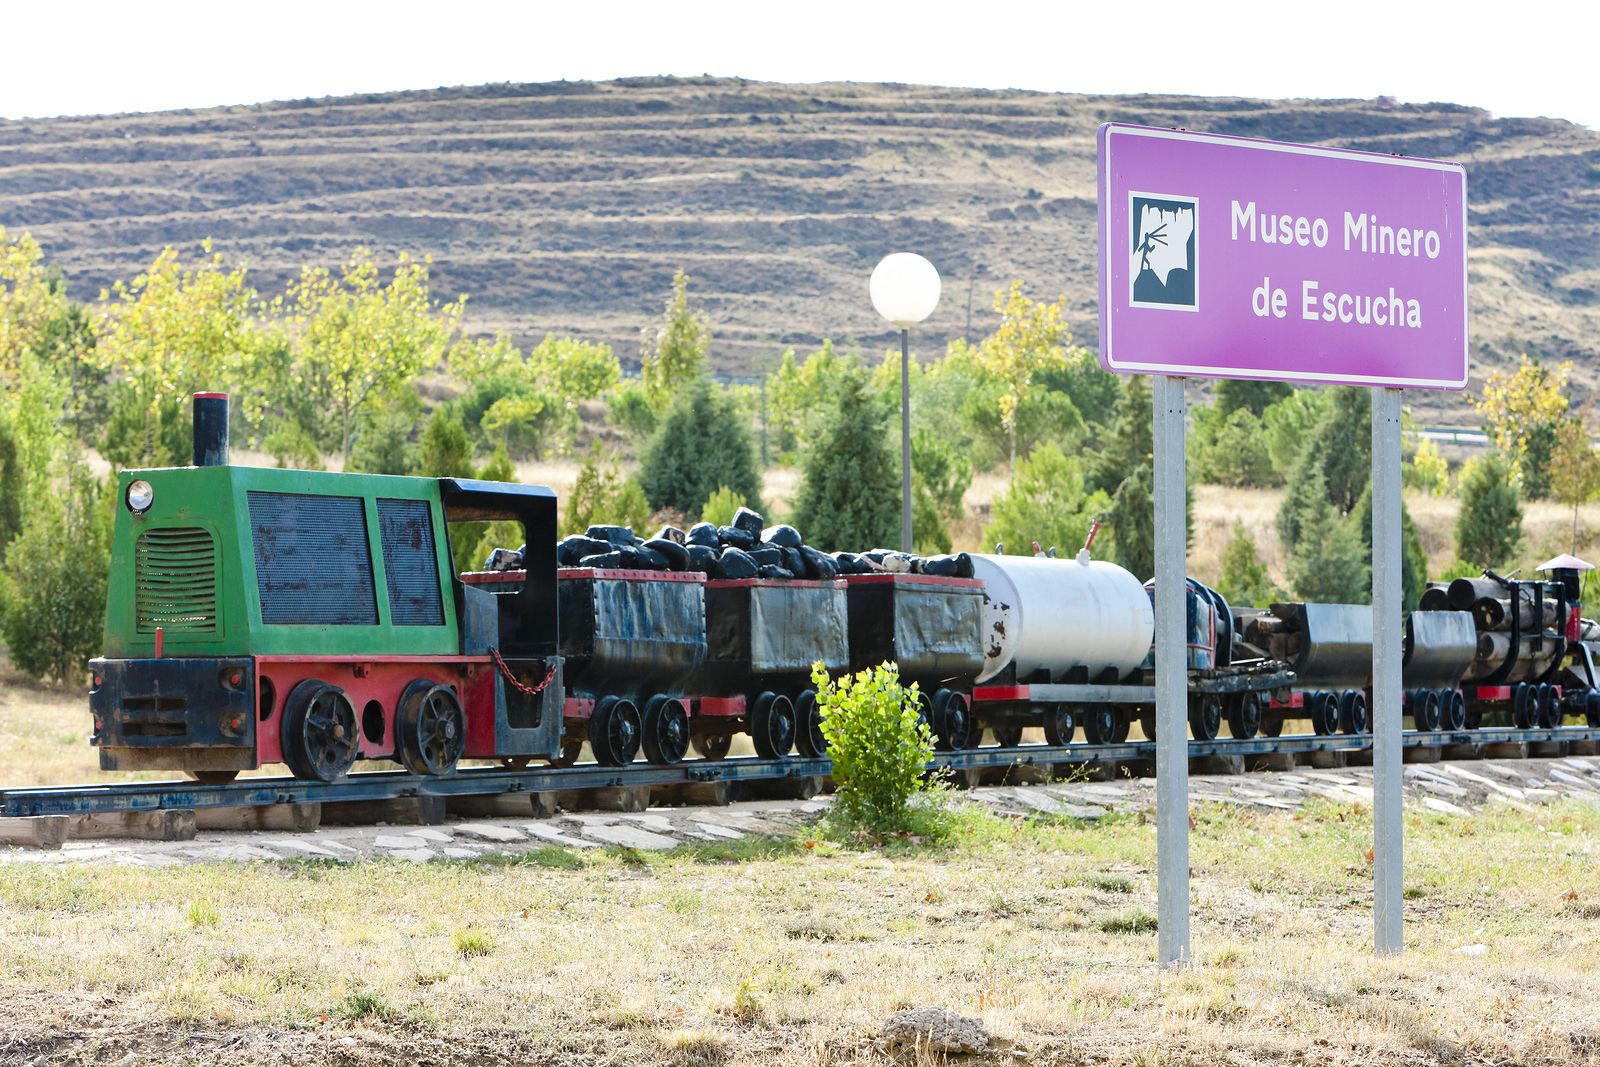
(444, 449)
(1132, 522)
(1413, 560)
(1235, 394)
(850, 496)
(1329, 561)
(674, 354)
(1131, 443)
(1489, 527)
(701, 446)
(1245, 581)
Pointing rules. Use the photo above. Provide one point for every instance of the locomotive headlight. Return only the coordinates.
(140, 496)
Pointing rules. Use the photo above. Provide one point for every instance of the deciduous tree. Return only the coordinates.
(675, 352)
(1522, 410)
(1574, 469)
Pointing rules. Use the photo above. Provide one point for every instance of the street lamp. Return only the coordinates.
(905, 290)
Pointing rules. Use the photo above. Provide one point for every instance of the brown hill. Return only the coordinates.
(567, 206)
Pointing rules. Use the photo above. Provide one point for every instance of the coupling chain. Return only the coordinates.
(511, 679)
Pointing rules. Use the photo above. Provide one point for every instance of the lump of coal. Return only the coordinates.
(942, 566)
(574, 548)
(703, 533)
(704, 559)
(772, 570)
(644, 557)
(603, 561)
(675, 554)
(794, 559)
(767, 555)
(737, 563)
(616, 535)
(734, 537)
(670, 533)
(782, 535)
(749, 521)
(819, 564)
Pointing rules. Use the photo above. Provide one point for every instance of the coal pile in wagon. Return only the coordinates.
(745, 548)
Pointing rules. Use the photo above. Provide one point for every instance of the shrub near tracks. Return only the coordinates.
(879, 745)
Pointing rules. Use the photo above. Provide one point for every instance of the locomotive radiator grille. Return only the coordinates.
(175, 580)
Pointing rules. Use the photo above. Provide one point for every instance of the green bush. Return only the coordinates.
(444, 450)
(53, 582)
(601, 495)
(1045, 502)
(879, 745)
(1245, 581)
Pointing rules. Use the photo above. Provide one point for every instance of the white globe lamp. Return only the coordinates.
(905, 290)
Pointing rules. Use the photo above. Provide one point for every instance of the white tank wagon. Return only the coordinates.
(1059, 620)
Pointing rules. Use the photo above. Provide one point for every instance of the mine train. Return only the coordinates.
(261, 616)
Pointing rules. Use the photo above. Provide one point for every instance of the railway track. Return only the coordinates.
(376, 795)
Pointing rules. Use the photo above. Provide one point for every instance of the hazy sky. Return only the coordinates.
(89, 57)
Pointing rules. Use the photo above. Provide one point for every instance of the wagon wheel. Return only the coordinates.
(1244, 715)
(1523, 706)
(1324, 713)
(952, 721)
(808, 725)
(1059, 724)
(213, 777)
(1549, 707)
(614, 731)
(319, 731)
(772, 725)
(1353, 712)
(1425, 712)
(1205, 716)
(1100, 725)
(712, 746)
(1007, 735)
(666, 730)
(1452, 710)
(1591, 709)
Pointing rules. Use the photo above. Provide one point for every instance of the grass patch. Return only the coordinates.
(473, 941)
(365, 1004)
(203, 913)
(1132, 921)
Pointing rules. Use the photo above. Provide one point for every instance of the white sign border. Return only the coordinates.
(1113, 130)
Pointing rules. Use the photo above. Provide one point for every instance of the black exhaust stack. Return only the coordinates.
(211, 429)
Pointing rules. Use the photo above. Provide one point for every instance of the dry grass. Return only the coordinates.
(788, 953)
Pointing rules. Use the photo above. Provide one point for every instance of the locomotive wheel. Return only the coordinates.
(1271, 721)
(666, 730)
(1324, 713)
(1591, 709)
(614, 731)
(213, 777)
(1123, 729)
(1205, 716)
(1059, 724)
(1244, 715)
(1452, 710)
(1549, 708)
(808, 725)
(319, 731)
(952, 721)
(1100, 725)
(1007, 735)
(1524, 711)
(772, 725)
(1353, 712)
(430, 728)
(712, 746)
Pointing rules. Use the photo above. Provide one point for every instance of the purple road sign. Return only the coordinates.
(1225, 257)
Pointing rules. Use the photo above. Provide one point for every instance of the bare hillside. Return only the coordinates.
(566, 206)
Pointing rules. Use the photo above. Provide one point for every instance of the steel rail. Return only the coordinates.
(490, 781)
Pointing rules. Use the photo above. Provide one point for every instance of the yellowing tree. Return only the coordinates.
(1030, 339)
(170, 332)
(1574, 469)
(27, 301)
(356, 338)
(676, 351)
(1522, 410)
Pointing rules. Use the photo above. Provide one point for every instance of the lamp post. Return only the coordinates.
(905, 290)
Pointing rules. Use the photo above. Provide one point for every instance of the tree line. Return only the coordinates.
(332, 370)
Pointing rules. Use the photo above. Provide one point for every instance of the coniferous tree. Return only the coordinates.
(1132, 522)
(701, 446)
(444, 451)
(1131, 443)
(1489, 527)
(850, 498)
(1245, 581)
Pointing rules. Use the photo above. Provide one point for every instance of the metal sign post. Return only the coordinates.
(1388, 862)
(1229, 257)
(1172, 676)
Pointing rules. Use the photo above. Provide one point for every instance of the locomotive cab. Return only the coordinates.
(260, 616)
